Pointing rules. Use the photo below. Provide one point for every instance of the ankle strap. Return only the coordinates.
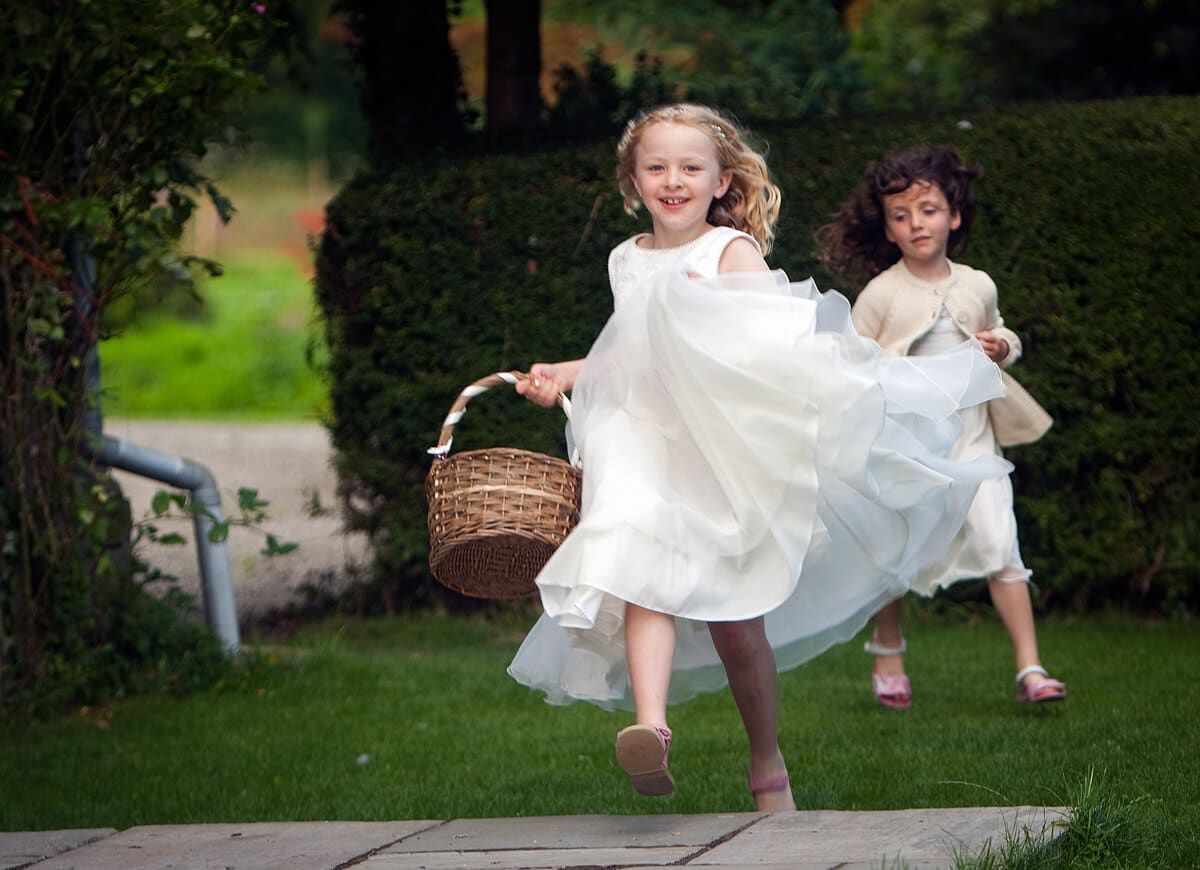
(1032, 669)
(876, 649)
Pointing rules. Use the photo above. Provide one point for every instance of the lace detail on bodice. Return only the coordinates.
(630, 265)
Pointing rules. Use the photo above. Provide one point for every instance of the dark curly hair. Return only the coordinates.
(855, 245)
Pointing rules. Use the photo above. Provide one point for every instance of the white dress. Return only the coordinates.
(745, 453)
(987, 544)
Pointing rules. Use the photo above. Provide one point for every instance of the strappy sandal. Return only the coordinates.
(767, 784)
(891, 691)
(642, 753)
(1045, 689)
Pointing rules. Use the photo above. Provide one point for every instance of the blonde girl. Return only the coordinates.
(733, 454)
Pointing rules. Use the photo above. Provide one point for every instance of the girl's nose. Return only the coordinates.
(673, 176)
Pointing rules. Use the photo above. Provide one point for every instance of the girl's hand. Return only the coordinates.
(995, 348)
(544, 383)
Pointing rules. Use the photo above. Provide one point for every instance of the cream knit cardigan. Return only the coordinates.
(896, 308)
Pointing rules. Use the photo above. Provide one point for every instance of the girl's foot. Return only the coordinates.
(1034, 685)
(888, 680)
(771, 788)
(642, 753)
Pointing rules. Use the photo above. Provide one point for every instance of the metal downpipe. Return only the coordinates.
(216, 582)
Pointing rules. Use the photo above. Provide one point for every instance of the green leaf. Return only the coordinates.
(248, 499)
(160, 502)
(221, 203)
(49, 395)
(274, 548)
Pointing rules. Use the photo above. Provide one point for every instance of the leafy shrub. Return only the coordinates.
(104, 110)
(433, 274)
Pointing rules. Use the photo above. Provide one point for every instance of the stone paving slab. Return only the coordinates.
(23, 848)
(800, 841)
(575, 832)
(257, 846)
(562, 841)
(531, 859)
(919, 838)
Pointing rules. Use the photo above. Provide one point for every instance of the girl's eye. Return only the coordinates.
(691, 168)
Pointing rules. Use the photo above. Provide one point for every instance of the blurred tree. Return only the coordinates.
(412, 90)
(918, 54)
(760, 59)
(1085, 49)
(514, 64)
(778, 60)
(106, 111)
(310, 110)
(774, 59)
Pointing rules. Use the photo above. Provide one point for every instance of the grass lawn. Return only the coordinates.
(415, 718)
(245, 360)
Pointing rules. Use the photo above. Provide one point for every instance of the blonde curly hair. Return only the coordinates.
(751, 204)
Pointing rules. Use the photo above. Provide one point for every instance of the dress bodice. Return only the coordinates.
(630, 265)
(943, 336)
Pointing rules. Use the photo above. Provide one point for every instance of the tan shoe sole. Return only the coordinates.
(642, 754)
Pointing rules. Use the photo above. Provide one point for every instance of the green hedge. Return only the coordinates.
(431, 275)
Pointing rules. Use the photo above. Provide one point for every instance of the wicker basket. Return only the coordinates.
(496, 515)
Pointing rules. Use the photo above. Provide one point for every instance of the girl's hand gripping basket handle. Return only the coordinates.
(446, 436)
(496, 515)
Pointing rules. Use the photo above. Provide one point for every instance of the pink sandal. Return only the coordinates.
(642, 753)
(893, 691)
(1041, 690)
(779, 782)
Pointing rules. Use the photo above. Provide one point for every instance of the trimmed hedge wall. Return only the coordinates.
(432, 275)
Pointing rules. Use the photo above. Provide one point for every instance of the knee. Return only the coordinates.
(739, 642)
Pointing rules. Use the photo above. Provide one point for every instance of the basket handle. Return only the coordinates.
(446, 437)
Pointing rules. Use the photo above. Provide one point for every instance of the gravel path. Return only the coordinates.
(289, 465)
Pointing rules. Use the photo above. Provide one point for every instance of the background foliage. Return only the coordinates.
(105, 109)
(776, 60)
(916, 53)
(432, 274)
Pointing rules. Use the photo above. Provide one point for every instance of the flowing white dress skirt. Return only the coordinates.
(746, 453)
(987, 544)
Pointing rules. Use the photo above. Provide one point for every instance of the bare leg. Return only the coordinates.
(650, 652)
(887, 633)
(750, 666)
(642, 749)
(1015, 609)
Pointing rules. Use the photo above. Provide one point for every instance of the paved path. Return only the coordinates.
(289, 465)
(802, 841)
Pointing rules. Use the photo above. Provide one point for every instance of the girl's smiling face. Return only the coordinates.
(678, 174)
(918, 220)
